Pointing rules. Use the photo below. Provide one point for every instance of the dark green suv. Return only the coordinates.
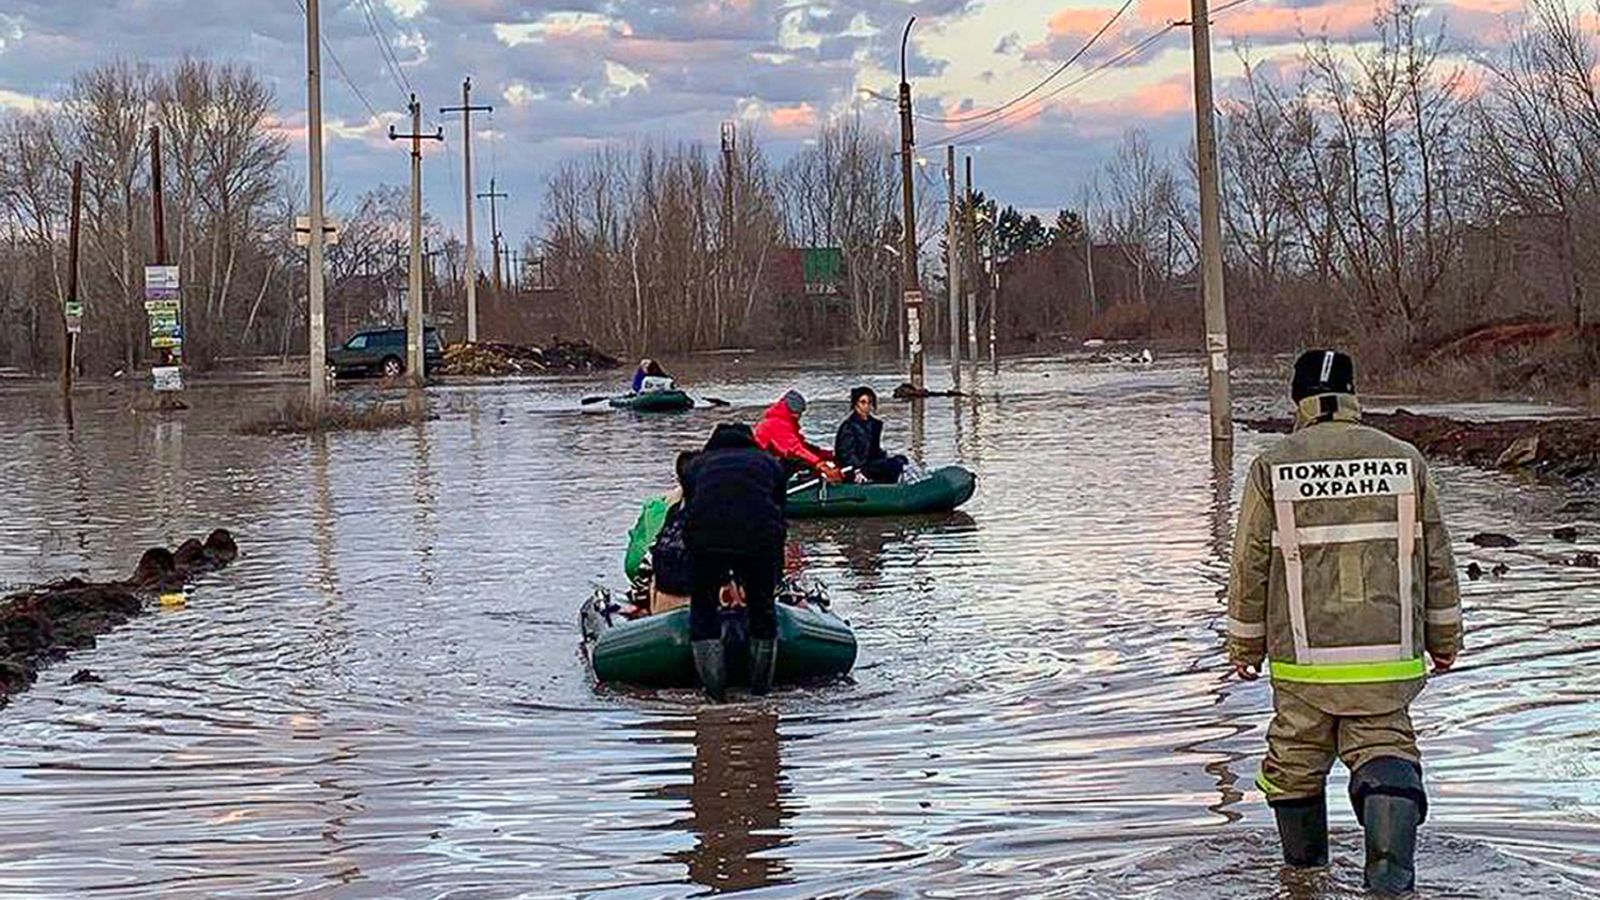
(382, 351)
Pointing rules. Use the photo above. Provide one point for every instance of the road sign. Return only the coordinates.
(160, 282)
(167, 378)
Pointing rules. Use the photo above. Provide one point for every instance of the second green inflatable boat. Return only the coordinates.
(654, 401)
(942, 491)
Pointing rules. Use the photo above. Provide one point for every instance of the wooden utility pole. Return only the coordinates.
(416, 371)
(467, 109)
(1088, 264)
(994, 309)
(952, 266)
(494, 228)
(164, 356)
(318, 321)
(72, 315)
(913, 285)
(729, 145)
(1216, 314)
(970, 258)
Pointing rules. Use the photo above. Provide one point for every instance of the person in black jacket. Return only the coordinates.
(733, 524)
(859, 442)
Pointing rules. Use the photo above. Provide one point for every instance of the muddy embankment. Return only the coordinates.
(1562, 449)
(44, 624)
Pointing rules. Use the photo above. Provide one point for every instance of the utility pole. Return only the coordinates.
(952, 266)
(416, 372)
(494, 229)
(72, 314)
(157, 223)
(913, 285)
(994, 310)
(467, 109)
(729, 144)
(970, 257)
(318, 317)
(1216, 314)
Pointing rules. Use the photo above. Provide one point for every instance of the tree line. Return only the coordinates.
(1390, 192)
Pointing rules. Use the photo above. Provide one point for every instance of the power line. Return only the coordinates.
(339, 67)
(990, 129)
(1000, 110)
(385, 48)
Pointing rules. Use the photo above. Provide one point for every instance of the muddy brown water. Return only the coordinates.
(383, 697)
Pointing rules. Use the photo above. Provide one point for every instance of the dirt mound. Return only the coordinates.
(44, 624)
(498, 359)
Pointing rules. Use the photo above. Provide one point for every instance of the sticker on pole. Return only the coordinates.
(167, 378)
(160, 282)
(73, 310)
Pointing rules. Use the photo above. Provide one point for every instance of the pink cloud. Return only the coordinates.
(791, 121)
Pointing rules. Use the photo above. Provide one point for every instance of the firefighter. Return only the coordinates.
(1342, 580)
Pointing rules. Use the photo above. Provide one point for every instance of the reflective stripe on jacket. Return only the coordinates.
(1342, 570)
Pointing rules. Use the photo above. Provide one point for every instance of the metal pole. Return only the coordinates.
(467, 109)
(70, 349)
(317, 344)
(1216, 315)
(970, 258)
(913, 285)
(952, 268)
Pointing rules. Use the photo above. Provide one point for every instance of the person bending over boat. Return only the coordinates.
(656, 548)
(734, 525)
(779, 433)
(859, 442)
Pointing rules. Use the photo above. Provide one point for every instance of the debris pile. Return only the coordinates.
(41, 625)
(496, 358)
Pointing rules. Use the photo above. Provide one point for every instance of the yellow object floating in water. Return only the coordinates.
(175, 600)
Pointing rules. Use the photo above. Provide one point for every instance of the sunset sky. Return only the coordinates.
(565, 77)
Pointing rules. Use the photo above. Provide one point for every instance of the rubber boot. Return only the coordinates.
(763, 663)
(1303, 829)
(1390, 803)
(1391, 825)
(711, 667)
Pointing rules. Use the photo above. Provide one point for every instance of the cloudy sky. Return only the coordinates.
(571, 75)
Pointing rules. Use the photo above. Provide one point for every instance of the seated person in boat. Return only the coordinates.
(779, 433)
(657, 554)
(650, 377)
(859, 442)
(734, 526)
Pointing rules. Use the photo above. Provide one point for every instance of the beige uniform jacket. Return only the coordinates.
(1342, 571)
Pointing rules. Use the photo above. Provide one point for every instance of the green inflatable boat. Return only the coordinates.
(654, 401)
(814, 644)
(941, 491)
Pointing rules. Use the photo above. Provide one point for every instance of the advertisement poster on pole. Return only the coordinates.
(73, 310)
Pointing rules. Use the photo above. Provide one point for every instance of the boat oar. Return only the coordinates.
(815, 481)
(716, 401)
(593, 399)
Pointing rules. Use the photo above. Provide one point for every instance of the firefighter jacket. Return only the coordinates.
(1342, 571)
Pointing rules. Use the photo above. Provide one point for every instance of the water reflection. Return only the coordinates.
(738, 800)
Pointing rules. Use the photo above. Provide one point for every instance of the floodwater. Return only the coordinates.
(384, 697)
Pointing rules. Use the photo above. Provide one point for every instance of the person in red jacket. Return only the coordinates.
(779, 433)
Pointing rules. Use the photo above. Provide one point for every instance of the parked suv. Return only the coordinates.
(382, 351)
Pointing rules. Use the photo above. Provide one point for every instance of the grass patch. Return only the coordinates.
(1563, 367)
(297, 416)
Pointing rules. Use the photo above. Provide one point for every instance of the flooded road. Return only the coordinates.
(383, 697)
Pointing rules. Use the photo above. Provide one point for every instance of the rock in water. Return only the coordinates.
(1567, 533)
(1492, 539)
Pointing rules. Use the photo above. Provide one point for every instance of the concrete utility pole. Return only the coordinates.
(970, 257)
(994, 310)
(494, 229)
(913, 286)
(952, 267)
(318, 317)
(1088, 263)
(416, 371)
(467, 109)
(1216, 313)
